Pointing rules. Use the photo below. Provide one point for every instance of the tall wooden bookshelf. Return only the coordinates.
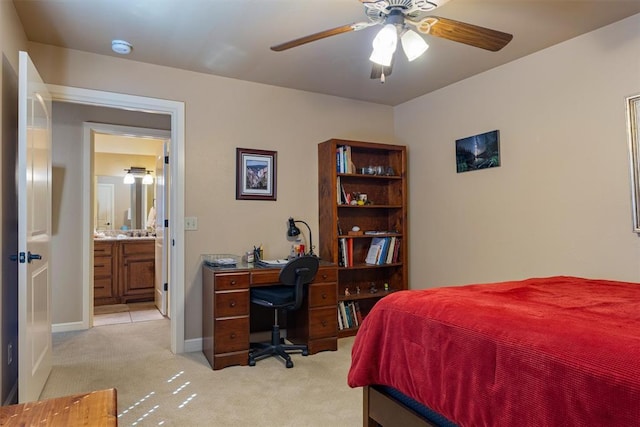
(385, 213)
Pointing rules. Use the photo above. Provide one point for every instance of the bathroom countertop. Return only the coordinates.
(119, 239)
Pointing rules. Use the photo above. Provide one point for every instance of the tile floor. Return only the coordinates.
(125, 313)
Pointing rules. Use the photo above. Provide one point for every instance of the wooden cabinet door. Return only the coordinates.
(137, 274)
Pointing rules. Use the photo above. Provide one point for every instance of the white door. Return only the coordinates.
(104, 208)
(162, 261)
(34, 232)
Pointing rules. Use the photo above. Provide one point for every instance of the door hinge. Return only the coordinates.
(166, 160)
(166, 287)
(173, 242)
(166, 223)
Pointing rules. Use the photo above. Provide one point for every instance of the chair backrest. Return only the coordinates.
(298, 272)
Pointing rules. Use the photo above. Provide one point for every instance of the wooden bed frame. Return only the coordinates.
(380, 409)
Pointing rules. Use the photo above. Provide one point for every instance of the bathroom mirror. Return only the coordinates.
(120, 206)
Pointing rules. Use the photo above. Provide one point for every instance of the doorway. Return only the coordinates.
(175, 237)
(131, 183)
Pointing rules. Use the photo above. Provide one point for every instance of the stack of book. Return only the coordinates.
(345, 252)
(343, 160)
(383, 250)
(349, 315)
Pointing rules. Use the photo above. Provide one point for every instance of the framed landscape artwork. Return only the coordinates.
(633, 132)
(255, 174)
(478, 152)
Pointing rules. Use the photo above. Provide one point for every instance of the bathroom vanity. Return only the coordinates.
(123, 270)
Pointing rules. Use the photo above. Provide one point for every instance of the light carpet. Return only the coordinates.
(157, 387)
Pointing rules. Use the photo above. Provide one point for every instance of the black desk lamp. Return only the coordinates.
(295, 231)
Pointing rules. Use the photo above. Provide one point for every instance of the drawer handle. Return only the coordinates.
(233, 282)
(99, 265)
(232, 303)
(324, 296)
(232, 335)
(324, 276)
(324, 323)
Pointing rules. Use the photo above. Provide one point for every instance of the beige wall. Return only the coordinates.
(560, 201)
(222, 114)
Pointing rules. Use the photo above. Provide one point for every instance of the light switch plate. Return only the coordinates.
(190, 223)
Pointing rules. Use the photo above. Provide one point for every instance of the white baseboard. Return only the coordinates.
(193, 345)
(67, 327)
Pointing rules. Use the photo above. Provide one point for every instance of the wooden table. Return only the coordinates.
(96, 409)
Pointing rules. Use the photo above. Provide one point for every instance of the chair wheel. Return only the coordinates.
(305, 352)
(252, 362)
(289, 364)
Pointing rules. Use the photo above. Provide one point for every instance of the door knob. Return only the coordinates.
(31, 256)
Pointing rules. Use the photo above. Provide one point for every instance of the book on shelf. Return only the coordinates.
(392, 247)
(372, 254)
(341, 262)
(358, 312)
(352, 313)
(383, 250)
(344, 164)
(349, 315)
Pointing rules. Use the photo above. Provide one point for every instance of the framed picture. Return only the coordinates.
(478, 152)
(633, 131)
(255, 174)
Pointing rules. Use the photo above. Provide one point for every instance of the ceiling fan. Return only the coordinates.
(399, 18)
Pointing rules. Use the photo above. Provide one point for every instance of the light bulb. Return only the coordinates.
(129, 179)
(413, 45)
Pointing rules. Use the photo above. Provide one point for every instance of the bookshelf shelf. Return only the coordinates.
(364, 295)
(339, 182)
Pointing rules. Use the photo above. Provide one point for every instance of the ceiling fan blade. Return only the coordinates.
(377, 70)
(317, 36)
(469, 34)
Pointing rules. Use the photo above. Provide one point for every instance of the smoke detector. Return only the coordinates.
(121, 47)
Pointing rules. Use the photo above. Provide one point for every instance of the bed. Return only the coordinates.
(555, 351)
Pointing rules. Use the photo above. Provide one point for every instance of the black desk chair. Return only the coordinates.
(288, 296)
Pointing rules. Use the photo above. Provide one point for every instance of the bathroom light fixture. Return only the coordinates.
(129, 178)
(148, 179)
(295, 231)
(138, 172)
(121, 47)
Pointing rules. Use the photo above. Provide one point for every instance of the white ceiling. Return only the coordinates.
(231, 38)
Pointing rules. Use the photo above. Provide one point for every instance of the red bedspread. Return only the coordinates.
(558, 351)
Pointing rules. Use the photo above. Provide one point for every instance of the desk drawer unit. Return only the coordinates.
(316, 323)
(225, 317)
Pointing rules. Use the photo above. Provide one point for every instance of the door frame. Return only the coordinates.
(176, 197)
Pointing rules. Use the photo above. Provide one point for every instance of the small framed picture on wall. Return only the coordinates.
(256, 174)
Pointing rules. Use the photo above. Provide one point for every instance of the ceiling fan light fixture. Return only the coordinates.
(413, 45)
(384, 45)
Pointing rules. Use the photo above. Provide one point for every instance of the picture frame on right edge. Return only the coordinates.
(633, 130)
(476, 152)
